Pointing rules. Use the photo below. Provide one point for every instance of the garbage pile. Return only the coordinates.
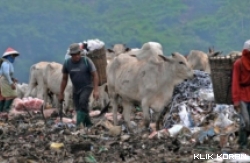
(191, 96)
(195, 117)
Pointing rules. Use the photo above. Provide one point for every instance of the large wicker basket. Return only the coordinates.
(221, 75)
(98, 57)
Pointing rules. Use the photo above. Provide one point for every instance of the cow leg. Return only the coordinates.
(32, 82)
(44, 98)
(161, 116)
(146, 115)
(41, 89)
(127, 107)
(155, 119)
(114, 108)
(55, 101)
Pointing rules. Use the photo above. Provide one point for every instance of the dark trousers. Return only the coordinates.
(81, 99)
(245, 123)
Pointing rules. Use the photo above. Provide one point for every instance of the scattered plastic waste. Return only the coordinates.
(63, 125)
(175, 129)
(56, 145)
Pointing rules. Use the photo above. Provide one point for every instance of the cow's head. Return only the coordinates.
(179, 66)
(120, 48)
(182, 68)
(212, 53)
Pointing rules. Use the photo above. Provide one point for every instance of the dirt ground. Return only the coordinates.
(31, 139)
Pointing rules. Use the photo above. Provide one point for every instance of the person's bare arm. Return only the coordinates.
(63, 86)
(95, 82)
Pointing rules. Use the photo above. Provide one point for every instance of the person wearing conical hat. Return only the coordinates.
(7, 81)
(241, 92)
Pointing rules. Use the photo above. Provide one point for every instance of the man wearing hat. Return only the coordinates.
(82, 45)
(7, 81)
(84, 77)
(241, 92)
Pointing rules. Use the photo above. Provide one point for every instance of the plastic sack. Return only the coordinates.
(185, 116)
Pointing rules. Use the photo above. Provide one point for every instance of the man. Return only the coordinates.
(83, 46)
(241, 92)
(84, 77)
(7, 81)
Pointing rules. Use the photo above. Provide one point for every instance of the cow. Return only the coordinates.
(199, 59)
(233, 53)
(103, 98)
(147, 78)
(46, 76)
(116, 50)
(52, 80)
(22, 88)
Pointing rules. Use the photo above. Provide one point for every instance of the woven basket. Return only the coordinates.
(221, 75)
(98, 57)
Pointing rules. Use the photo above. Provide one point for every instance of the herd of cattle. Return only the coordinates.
(143, 77)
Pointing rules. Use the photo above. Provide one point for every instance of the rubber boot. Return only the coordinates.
(7, 105)
(80, 118)
(1, 105)
(88, 122)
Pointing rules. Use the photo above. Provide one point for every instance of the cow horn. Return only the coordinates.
(110, 50)
(166, 59)
(127, 49)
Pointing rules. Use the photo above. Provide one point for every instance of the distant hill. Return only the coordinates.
(41, 30)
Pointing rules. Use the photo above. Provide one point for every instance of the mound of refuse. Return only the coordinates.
(195, 116)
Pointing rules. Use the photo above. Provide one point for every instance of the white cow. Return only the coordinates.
(199, 59)
(53, 77)
(145, 77)
(47, 77)
(103, 98)
(116, 50)
(233, 53)
(23, 88)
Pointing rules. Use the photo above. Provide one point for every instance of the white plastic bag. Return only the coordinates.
(185, 116)
(206, 94)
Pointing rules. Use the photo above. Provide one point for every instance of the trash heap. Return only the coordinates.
(195, 117)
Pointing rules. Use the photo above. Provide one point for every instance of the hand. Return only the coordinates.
(15, 80)
(96, 94)
(61, 97)
(237, 108)
(13, 86)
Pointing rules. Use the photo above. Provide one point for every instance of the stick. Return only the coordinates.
(42, 109)
(61, 110)
(27, 112)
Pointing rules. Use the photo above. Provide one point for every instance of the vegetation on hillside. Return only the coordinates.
(43, 30)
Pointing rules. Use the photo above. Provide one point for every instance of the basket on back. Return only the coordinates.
(221, 75)
(98, 56)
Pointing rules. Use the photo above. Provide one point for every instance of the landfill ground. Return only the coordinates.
(193, 129)
(26, 139)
